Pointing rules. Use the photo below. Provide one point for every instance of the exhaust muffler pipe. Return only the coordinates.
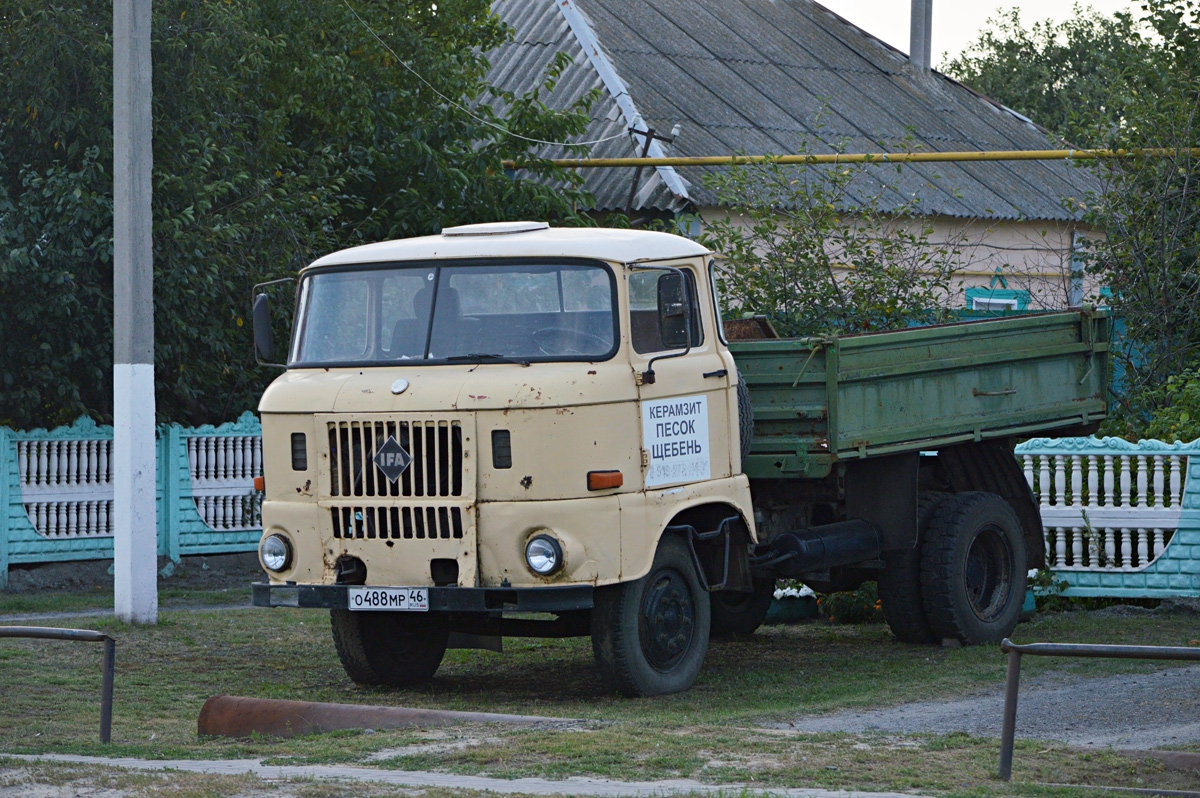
(818, 548)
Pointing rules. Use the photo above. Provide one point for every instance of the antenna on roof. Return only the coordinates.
(648, 135)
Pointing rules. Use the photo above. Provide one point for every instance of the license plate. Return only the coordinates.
(389, 599)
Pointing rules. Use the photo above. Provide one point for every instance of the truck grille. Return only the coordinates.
(398, 523)
(405, 531)
(436, 447)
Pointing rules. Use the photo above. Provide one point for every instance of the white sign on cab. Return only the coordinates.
(675, 433)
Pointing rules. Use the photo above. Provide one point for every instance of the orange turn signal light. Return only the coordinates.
(602, 480)
(260, 484)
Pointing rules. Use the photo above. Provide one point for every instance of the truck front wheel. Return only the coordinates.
(973, 566)
(397, 649)
(650, 636)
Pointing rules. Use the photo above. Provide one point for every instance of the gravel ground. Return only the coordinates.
(1134, 711)
(1144, 711)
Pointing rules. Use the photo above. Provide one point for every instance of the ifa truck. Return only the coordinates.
(509, 429)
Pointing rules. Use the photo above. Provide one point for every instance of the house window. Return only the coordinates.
(1000, 299)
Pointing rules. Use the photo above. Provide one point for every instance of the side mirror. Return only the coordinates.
(261, 316)
(674, 311)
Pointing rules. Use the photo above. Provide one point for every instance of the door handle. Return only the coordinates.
(717, 373)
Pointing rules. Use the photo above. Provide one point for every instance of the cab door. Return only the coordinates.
(684, 376)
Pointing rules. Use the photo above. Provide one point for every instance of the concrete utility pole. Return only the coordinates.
(135, 551)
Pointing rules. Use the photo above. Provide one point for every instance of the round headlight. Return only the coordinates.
(544, 555)
(276, 552)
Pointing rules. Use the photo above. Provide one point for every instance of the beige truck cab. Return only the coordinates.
(508, 430)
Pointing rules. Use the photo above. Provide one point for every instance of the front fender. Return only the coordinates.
(646, 515)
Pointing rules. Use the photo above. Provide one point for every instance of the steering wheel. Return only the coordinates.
(568, 341)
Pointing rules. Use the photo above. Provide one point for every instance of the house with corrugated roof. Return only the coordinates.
(771, 77)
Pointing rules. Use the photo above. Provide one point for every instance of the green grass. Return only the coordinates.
(97, 599)
(713, 732)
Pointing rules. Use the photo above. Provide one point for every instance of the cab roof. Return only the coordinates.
(523, 239)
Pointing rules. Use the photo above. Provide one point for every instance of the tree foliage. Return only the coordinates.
(282, 130)
(822, 250)
(1149, 206)
(1061, 75)
(1132, 83)
(1149, 209)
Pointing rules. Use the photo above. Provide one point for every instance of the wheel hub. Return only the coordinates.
(988, 575)
(667, 620)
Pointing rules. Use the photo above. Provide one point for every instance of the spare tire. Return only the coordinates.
(745, 419)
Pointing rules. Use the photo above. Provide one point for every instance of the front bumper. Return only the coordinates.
(441, 599)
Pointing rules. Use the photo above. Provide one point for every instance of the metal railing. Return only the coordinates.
(84, 636)
(1015, 651)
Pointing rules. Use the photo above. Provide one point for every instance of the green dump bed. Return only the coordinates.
(819, 400)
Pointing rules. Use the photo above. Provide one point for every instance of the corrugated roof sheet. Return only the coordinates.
(775, 77)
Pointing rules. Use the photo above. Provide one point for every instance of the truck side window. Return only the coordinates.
(715, 287)
(644, 329)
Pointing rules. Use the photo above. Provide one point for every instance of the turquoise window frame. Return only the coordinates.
(998, 294)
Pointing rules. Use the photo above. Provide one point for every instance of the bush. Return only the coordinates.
(825, 250)
(852, 606)
(1167, 412)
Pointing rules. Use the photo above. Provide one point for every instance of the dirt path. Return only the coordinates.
(421, 779)
(1143, 711)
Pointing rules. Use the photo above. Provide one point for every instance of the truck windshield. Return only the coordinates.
(519, 312)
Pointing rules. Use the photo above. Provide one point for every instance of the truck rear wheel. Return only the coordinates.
(650, 636)
(973, 566)
(900, 581)
(397, 649)
(735, 613)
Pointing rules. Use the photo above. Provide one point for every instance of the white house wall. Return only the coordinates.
(1002, 257)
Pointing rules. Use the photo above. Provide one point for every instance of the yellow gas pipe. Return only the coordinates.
(879, 158)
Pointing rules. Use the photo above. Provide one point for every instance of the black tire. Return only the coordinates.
(735, 613)
(973, 566)
(900, 581)
(397, 649)
(745, 419)
(650, 636)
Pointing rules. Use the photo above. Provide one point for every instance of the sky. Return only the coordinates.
(955, 23)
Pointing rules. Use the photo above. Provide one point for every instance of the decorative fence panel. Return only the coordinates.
(1121, 519)
(56, 492)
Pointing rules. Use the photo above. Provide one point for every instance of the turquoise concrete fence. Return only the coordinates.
(56, 492)
(1121, 519)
